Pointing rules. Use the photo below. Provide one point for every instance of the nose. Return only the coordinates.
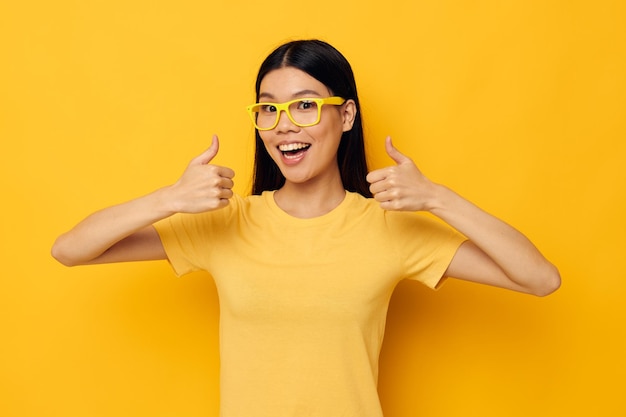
(284, 123)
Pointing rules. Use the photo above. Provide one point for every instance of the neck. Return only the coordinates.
(309, 200)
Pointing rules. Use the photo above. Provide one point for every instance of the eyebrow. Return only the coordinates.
(302, 93)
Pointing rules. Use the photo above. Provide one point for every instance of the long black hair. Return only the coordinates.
(327, 65)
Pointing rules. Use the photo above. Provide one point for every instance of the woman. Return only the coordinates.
(305, 266)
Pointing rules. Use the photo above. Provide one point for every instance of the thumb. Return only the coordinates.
(395, 154)
(208, 155)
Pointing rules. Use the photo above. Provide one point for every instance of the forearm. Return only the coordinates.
(496, 254)
(97, 233)
(122, 232)
(513, 252)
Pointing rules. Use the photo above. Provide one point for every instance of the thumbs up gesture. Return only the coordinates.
(401, 187)
(203, 186)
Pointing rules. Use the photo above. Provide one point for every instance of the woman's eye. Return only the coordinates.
(306, 105)
(268, 108)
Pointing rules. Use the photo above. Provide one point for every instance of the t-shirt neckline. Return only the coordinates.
(268, 196)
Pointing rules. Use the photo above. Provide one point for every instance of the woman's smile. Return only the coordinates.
(293, 152)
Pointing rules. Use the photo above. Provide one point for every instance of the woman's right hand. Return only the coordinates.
(124, 232)
(203, 186)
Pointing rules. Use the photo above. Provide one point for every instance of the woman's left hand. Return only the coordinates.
(495, 254)
(401, 187)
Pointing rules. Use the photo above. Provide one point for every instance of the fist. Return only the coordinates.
(400, 187)
(203, 186)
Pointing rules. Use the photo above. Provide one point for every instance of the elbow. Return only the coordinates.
(549, 283)
(61, 255)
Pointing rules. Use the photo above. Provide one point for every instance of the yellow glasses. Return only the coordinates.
(302, 112)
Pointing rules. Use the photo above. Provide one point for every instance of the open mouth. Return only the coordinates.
(293, 150)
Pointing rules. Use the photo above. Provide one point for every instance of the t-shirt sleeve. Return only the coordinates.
(181, 241)
(188, 239)
(425, 246)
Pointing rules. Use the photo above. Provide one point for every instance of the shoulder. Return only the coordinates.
(236, 205)
(369, 207)
(356, 201)
(397, 222)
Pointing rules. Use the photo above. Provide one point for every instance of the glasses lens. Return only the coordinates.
(264, 115)
(305, 112)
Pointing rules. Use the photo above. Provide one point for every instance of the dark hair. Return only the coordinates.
(327, 65)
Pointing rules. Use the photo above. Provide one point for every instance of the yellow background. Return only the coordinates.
(518, 105)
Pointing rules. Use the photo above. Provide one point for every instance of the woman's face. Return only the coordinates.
(304, 154)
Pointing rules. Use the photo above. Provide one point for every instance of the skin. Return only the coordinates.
(313, 184)
(495, 253)
(124, 232)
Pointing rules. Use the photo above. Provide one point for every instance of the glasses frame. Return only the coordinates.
(284, 107)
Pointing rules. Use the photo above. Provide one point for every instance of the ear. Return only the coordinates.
(348, 113)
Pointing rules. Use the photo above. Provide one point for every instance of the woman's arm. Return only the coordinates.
(496, 253)
(124, 232)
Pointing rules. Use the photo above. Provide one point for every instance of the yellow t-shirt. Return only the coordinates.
(303, 302)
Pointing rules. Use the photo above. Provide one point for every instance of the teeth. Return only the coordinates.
(293, 147)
